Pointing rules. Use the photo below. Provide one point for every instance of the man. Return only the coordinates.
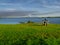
(45, 22)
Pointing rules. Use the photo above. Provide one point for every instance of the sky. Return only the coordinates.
(43, 7)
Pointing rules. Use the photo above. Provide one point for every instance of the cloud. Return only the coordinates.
(6, 4)
(9, 3)
(42, 6)
(10, 9)
(52, 6)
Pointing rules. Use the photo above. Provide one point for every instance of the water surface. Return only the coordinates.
(34, 19)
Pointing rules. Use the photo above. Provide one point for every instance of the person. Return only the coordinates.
(45, 22)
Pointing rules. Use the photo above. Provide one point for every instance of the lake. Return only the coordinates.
(34, 19)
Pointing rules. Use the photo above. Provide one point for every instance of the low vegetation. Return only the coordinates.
(29, 34)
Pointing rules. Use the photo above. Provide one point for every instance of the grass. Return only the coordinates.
(29, 34)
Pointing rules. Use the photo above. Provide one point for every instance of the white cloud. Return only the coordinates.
(6, 4)
(9, 4)
(51, 6)
(10, 9)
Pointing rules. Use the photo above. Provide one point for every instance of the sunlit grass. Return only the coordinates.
(29, 34)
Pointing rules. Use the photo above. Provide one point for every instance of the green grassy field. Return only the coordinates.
(29, 34)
